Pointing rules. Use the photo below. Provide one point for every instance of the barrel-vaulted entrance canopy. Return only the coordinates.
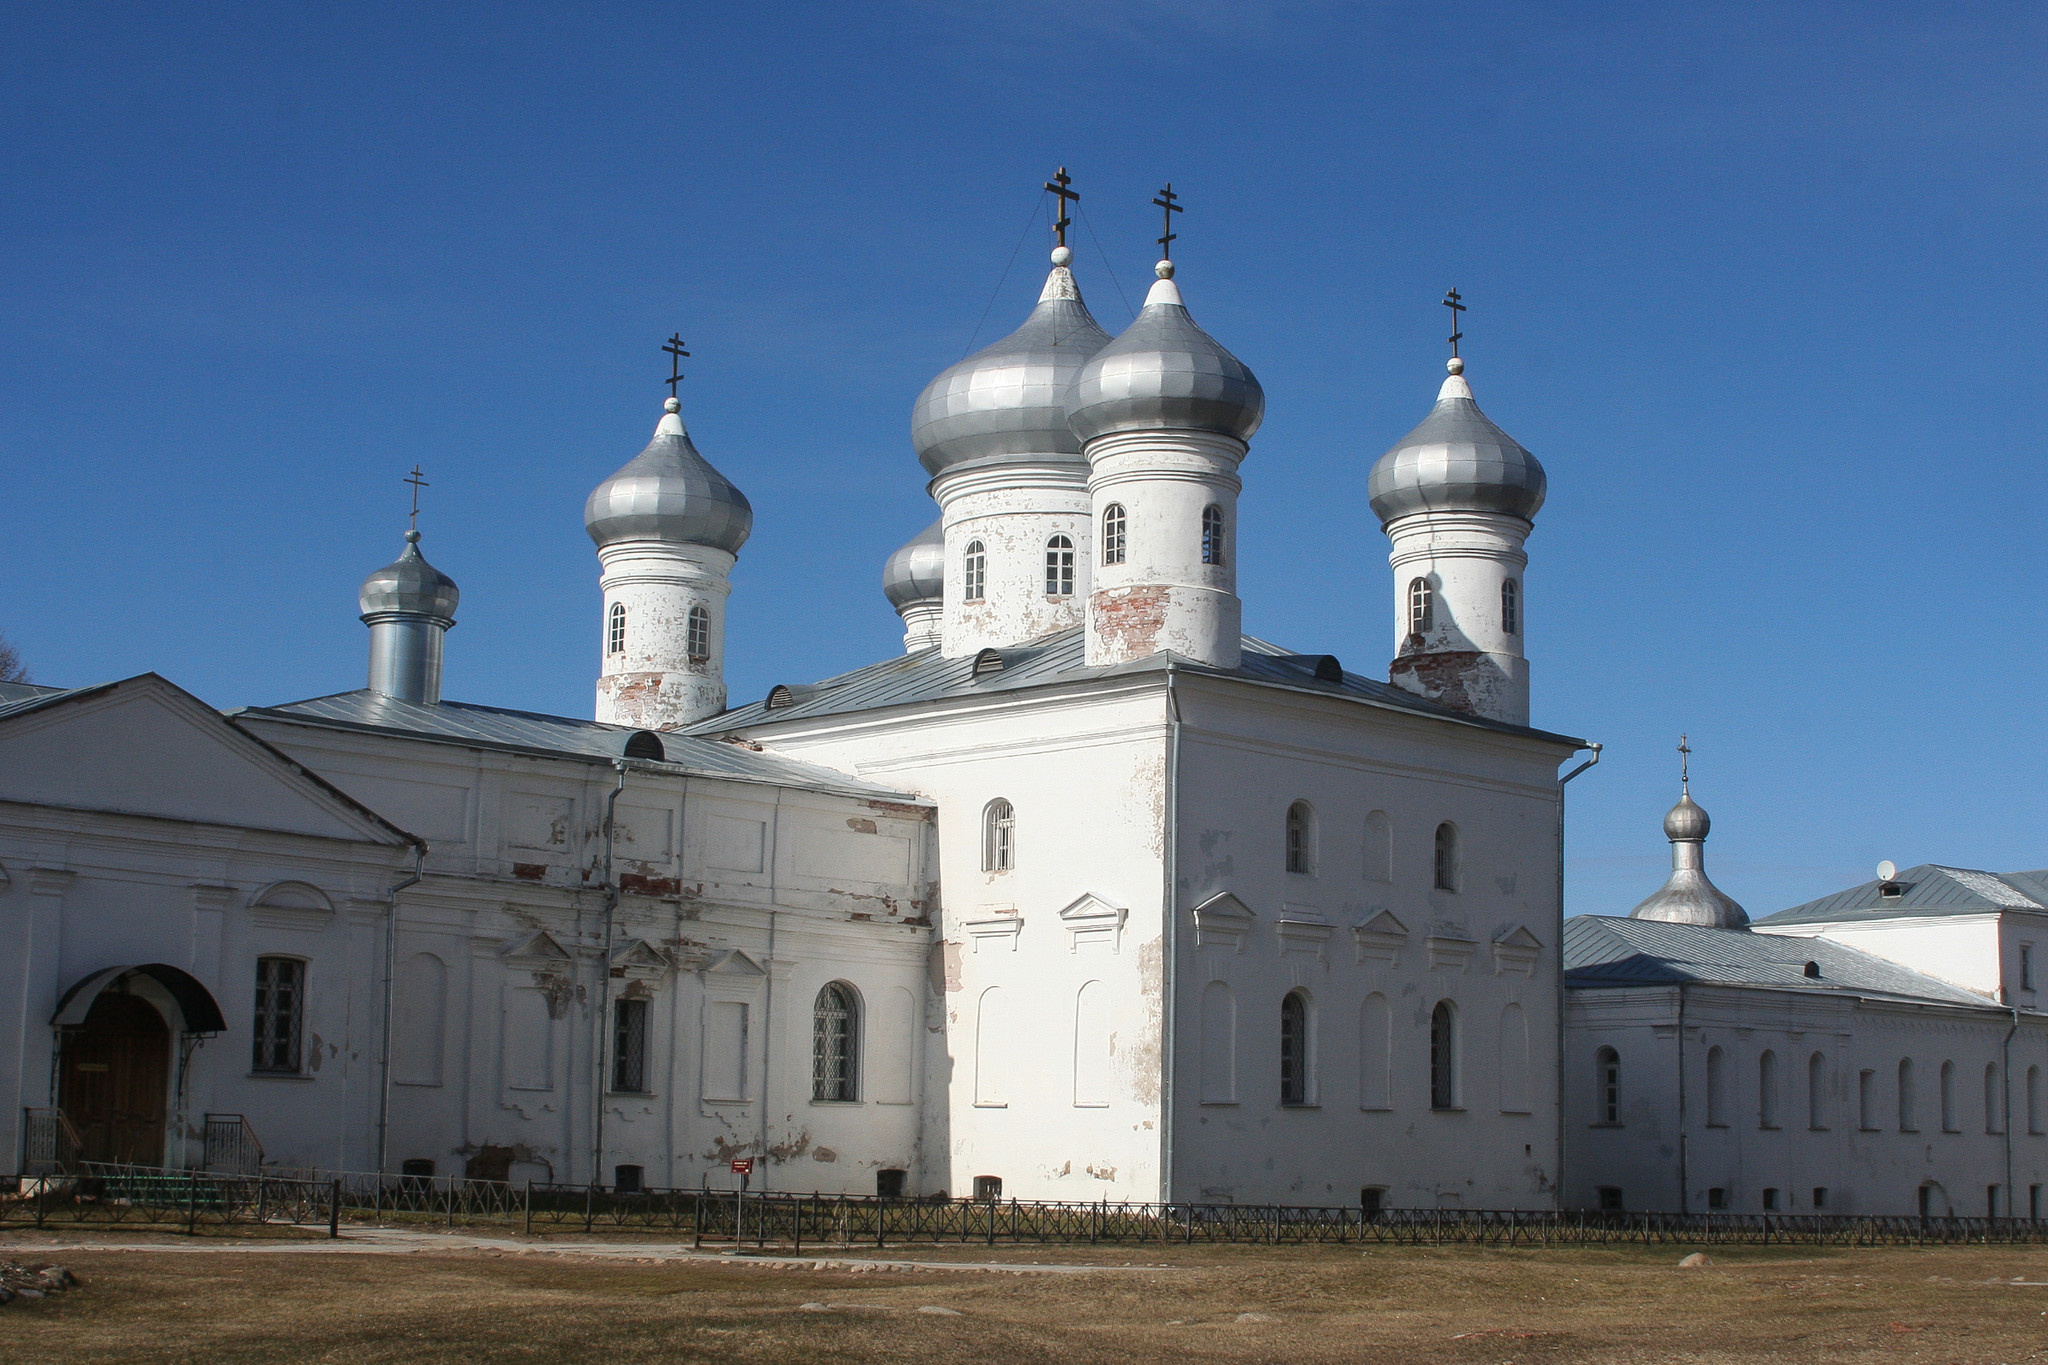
(201, 1012)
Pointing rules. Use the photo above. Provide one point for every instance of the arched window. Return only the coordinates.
(1379, 847)
(1059, 567)
(998, 837)
(1421, 607)
(1948, 1099)
(1510, 607)
(1294, 1048)
(1717, 1088)
(973, 572)
(835, 1044)
(1908, 1098)
(1994, 1107)
(1443, 1056)
(1607, 1085)
(1212, 534)
(615, 638)
(1447, 857)
(1817, 1091)
(1767, 1090)
(699, 634)
(1301, 838)
(1113, 533)
(2033, 1099)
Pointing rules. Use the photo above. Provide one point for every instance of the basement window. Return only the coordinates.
(1717, 1198)
(988, 1189)
(626, 1179)
(1610, 1198)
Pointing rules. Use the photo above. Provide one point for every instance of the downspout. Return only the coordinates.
(419, 859)
(1169, 943)
(2005, 1077)
(767, 1045)
(604, 983)
(1559, 1091)
(1683, 1183)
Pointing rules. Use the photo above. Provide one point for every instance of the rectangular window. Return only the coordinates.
(280, 1015)
(1770, 1201)
(1610, 1198)
(1820, 1198)
(1717, 1198)
(629, 1046)
(988, 1188)
(627, 1179)
(1991, 1201)
(889, 1184)
(1373, 1198)
(2033, 1201)
(2026, 966)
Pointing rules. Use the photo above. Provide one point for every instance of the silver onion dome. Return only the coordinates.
(410, 584)
(1009, 399)
(1689, 897)
(1687, 821)
(1165, 373)
(917, 571)
(669, 492)
(1456, 461)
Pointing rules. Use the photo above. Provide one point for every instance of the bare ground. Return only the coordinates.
(1305, 1304)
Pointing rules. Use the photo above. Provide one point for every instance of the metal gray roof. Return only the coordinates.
(1927, 890)
(917, 571)
(908, 679)
(669, 492)
(1009, 399)
(1601, 951)
(1456, 460)
(411, 584)
(25, 696)
(493, 727)
(1165, 373)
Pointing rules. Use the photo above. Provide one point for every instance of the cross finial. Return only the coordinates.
(1457, 324)
(417, 484)
(1058, 186)
(1165, 202)
(1684, 768)
(676, 353)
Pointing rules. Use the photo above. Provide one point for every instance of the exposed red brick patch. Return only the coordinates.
(640, 885)
(529, 872)
(1447, 678)
(1128, 620)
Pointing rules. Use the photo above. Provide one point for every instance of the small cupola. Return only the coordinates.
(409, 605)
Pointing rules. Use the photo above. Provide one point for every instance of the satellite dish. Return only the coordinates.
(1887, 870)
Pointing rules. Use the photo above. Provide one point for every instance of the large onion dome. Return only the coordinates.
(917, 571)
(669, 492)
(1456, 461)
(1165, 373)
(410, 584)
(1009, 399)
(1689, 897)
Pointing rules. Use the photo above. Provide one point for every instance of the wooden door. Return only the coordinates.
(115, 1080)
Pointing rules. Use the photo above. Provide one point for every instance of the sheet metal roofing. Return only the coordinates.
(493, 727)
(1604, 951)
(1928, 890)
(16, 698)
(906, 679)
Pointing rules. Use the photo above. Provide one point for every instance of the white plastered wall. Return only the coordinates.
(656, 683)
(1012, 510)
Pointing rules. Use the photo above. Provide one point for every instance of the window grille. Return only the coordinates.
(1212, 534)
(988, 1189)
(1059, 567)
(1511, 607)
(834, 1045)
(1300, 838)
(1443, 1057)
(280, 1014)
(615, 643)
(999, 837)
(1113, 533)
(973, 572)
(628, 1179)
(629, 1046)
(1294, 1049)
(1421, 607)
(1447, 857)
(699, 633)
(1607, 1072)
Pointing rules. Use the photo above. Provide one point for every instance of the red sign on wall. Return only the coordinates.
(743, 1165)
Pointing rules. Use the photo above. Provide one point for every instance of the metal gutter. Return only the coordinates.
(419, 860)
(604, 983)
(1557, 1012)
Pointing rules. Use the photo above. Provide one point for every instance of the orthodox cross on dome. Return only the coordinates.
(677, 355)
(1057, 186)
(417, 484)
(1457, 324)
(1165, 202)
(1684, 768)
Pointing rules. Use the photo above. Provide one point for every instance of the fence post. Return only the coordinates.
(262, 1200)
(526, 1223)
(334, 1209)
(589, 1193)
(453, 1187)
(191, 1204)
(42, 1198)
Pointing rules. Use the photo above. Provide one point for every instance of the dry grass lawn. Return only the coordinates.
(1306, 1305)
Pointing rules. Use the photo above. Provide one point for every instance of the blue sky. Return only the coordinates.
(1760, 285)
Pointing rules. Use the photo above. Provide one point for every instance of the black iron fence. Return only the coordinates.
(195, 1201)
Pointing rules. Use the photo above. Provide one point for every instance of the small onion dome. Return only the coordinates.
(1165, 374)
(410, 584)
(917, 572)
(1456, 461)
(669, 492)
(1687, 821)
(1690, 897)
(1009, 399)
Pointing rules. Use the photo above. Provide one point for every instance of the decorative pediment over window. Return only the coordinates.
(540, 944)
(636, 960)
(1000, 930)
(1302, 930)
(1515, 949)
(292, 905)
(1093, 920)
(1450, 945)
(1380, 937)
(731, 963)
(1222, 922)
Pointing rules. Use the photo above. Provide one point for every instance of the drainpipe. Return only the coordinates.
(604, 983)
(1561, 1164)
(767, 1047)
(1169, 940)
(419, 859)
(2005, 1078)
